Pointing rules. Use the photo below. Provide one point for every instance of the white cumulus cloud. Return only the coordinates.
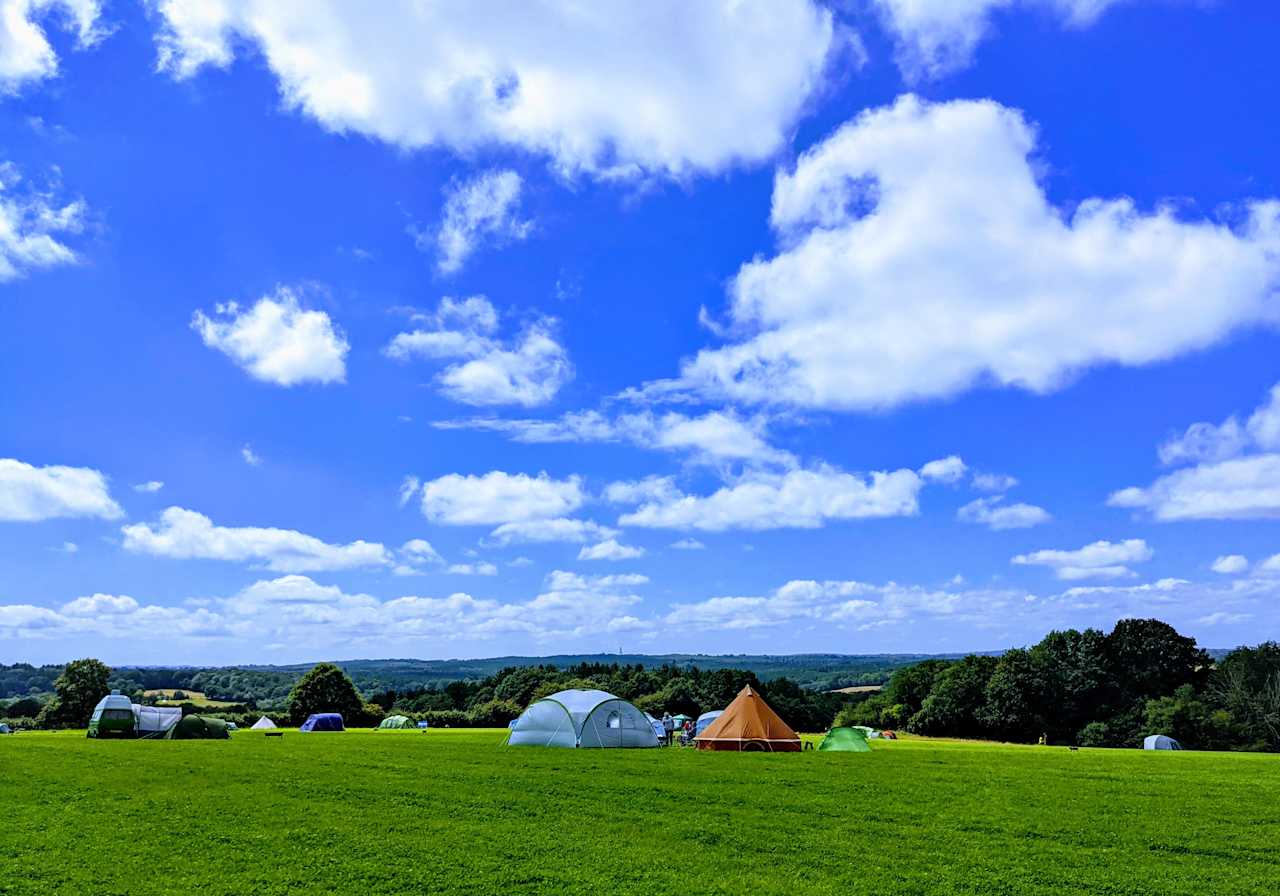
(30, 494)
(1230, 564)
(1099, 560)
(795, 499)
(26, 56)
(480, 209)
(277, 340)
(33, 224)
(996, 515)
(920, 257)
(934, 37)
(527, 370)
(714, 437)
(610, 549)
(575, 82)
(498, 497)
(186, 534)
(1235, 472)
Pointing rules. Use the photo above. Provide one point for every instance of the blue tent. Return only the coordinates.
(424, 725)
(1160, 742)
(323, 721)
(705, 720)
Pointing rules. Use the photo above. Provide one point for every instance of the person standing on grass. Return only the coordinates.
(668, 725)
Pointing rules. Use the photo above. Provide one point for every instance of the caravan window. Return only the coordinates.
(117, 714)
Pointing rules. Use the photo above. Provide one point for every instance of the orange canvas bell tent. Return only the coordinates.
(749, 724)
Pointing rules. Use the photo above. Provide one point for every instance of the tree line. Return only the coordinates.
(1091, 689)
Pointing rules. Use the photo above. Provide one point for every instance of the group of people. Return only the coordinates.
(670, 727)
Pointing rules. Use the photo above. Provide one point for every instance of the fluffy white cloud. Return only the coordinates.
(796, 499)
(480, 209)
(26, 55)
(481, 568)
(934, 37)
(610, 549)
(30, 494)
(149, 487)
(498, 497)
(1208, 442)
(1240, 489)
(576, 82)
(1236, 473)
(250, 456)
(1231, 564)
(549, 531)
(100, 604)
(277, 341)
(1100, 560)
(920, 258)
(949, 470)
(993, 482)
(852, 604)
(33, 224)
(714, 437)
(688, 544)
(994, 514)
(185, 534)
(528, 370)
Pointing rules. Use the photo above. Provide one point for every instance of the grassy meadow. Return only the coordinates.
(453, 811)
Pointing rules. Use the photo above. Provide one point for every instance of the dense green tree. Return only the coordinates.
(1014, 702)
(76, 692)
(23, 707)
(1246, 686)
(1148, 658)
(1077, 681)
(327, 688)
(957, 696)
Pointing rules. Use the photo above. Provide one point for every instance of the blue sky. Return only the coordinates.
(858, 327)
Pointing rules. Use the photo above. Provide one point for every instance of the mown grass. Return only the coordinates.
(456, 812)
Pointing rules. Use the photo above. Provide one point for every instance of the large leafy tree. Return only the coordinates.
(326, 688)
(1150, 659)
(76, 692)
(957, 697)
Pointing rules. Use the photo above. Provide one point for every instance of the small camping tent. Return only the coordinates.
(705, 720)
(1160, 742)
(113, 717)
(323, 721)
(394, 723)
(263, 724)
(198, 728)
(582, 718)
(749, 724)
(5, 729)
(845, 740)
(424, 724)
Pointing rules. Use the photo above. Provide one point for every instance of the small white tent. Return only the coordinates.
(262, 724)
(1160, 742)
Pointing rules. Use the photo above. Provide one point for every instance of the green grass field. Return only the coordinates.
(456, 812)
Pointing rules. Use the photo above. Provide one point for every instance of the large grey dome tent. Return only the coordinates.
(588, 719)
(1160, 742)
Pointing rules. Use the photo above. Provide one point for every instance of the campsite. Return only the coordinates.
(456, 811)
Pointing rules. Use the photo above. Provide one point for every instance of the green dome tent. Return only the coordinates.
(395, 722)
(199, 728)
(845, 740)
